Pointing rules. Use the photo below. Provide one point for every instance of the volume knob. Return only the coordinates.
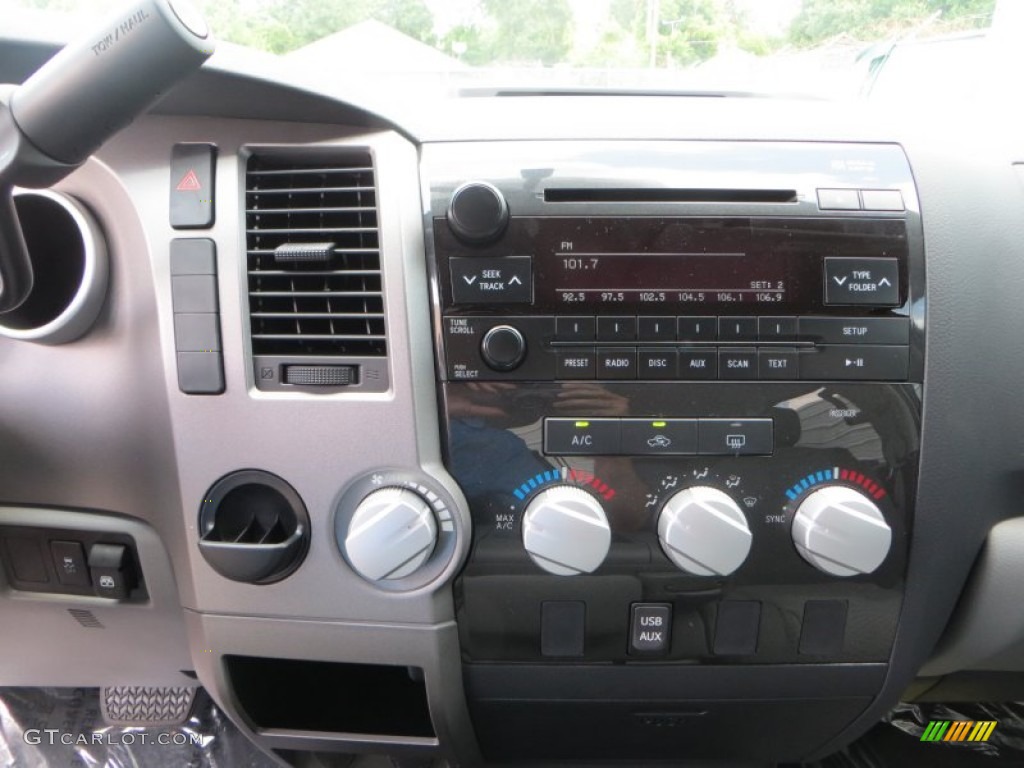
(391, 534)
(841, 532)
(704, 532)
(565, 531)
(477, 213)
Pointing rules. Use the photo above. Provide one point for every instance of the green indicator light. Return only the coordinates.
(582, 424)
(659, 424)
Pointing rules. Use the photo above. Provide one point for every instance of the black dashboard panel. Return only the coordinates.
(655, 405)
(597, 391)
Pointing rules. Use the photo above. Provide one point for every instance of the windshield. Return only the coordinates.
(818, 48)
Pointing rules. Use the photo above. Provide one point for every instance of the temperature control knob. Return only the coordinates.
(477, 213)
(565, 531)
(704, 532)
(840, 531)
(391, 534)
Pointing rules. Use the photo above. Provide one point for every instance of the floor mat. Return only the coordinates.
(63, 728)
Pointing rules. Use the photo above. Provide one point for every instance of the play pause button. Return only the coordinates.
(650, 628)
(861, 363)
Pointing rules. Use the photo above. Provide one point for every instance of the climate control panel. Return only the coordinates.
(775, 503)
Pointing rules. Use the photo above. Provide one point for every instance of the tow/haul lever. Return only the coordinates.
(90, 90)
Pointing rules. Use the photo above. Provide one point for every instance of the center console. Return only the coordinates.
(681, 392)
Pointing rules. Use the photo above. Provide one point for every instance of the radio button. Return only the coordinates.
(697, 328)
(657, 364)
(737, 328)
(575, 328)
(776, 328)
(778, 364)
(581, 437)
(576, 364)
(872, 282)
(616, 363)
(735, 437)
(616, 328)
(698, 364)
(652, 437)
(856, 330)
(737, 364)
(840, 362)
(657, 328)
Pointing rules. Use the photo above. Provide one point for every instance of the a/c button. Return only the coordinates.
(581, 437)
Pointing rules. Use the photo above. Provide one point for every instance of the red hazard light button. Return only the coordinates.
(192, 185)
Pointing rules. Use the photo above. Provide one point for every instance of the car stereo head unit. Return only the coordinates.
(681, 391)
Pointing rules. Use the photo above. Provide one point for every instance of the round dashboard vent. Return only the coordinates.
(253, 527)
(69, 265)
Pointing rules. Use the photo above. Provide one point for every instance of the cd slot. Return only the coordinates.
(668, 195)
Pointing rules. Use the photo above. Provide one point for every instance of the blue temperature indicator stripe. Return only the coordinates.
(821, 477)
(536, 481)
(791, 494)
(804, 484)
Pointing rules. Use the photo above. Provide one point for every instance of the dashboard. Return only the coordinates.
(530, 429)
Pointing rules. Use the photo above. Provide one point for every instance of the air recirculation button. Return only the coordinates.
(253, 527)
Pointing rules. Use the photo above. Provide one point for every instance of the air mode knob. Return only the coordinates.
(840, 531)
(391, 534)
(477, 213)
(565, 531)
(704, 532)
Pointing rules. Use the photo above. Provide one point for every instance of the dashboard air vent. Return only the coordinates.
(314, 266)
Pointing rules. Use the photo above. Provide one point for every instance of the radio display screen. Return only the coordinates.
(713, 265)
(662, 278)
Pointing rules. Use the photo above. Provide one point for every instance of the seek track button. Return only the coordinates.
(492, 280)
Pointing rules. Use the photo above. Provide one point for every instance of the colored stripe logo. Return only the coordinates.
(958, 730)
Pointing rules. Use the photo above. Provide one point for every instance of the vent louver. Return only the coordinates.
(314, 267)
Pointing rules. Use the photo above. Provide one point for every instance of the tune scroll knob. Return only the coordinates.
(503, 348)
(704, 532)
(565, 531)
(841, 531)
(392, 533)
(477, 213)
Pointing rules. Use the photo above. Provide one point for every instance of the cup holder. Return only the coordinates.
(253, 527)
(69, 266)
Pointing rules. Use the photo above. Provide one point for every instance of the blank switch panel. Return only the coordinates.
(196, 316)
